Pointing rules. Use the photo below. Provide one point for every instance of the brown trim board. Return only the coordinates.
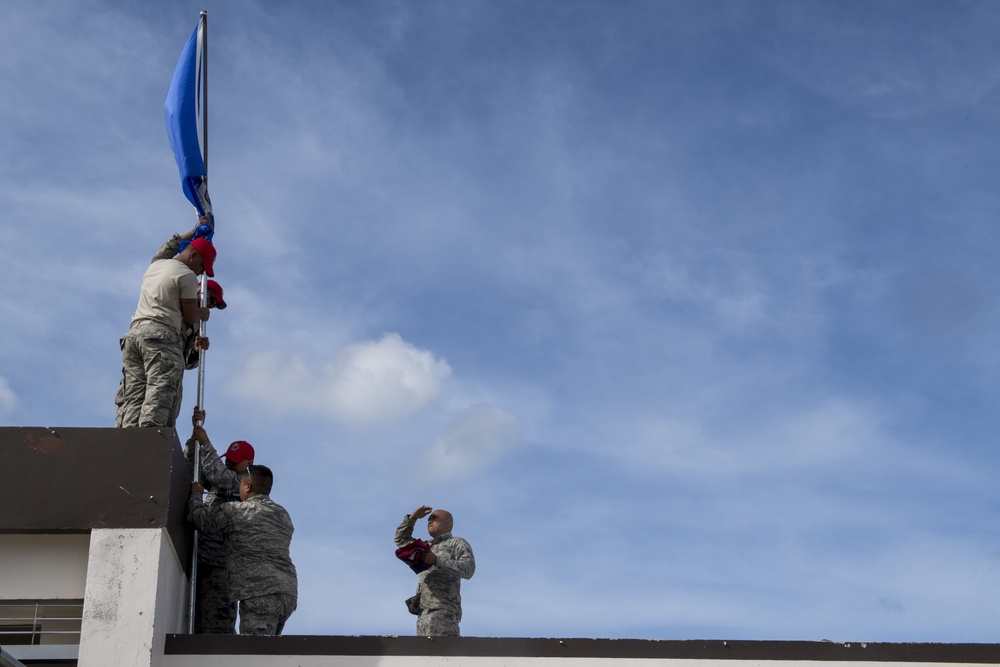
(582, 648)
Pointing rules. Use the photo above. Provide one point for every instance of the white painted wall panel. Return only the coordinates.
(43, 567)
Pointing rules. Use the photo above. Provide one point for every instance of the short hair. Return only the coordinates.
(447, 518)
(261, 478)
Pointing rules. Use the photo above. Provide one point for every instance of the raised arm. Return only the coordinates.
(170, 249)
(212, 519)
(212, 466)
(404, 532)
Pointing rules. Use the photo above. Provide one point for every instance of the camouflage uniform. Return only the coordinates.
(152, 365)
(152, 369)
(262, 577)
(190, 333)
(438, 600)
(266, 614)
(215, 612)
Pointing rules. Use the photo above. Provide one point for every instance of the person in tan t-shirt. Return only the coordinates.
(153, 348)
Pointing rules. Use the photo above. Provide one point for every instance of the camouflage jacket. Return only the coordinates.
(223, 486)
(258, 533)
(439, 587)
(220, 481)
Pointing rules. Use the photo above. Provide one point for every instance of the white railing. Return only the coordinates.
(40, 622)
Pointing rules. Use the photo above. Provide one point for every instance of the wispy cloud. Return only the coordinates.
(816, 436)
(476, 438)
(7, 398)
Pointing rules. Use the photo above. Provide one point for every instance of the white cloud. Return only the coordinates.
(472, 441)
(386, 378)
(366, 383)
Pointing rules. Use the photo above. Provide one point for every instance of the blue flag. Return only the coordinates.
(181, 112)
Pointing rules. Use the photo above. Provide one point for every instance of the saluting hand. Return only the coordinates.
(420, 512)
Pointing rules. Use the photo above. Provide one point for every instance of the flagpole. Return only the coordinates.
(203, 330)
(203, 71)
(204, 89)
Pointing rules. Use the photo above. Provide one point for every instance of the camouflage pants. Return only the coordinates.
(120, 401)
(437, 623)
(214, 613)
(152, 370)
(266, 614)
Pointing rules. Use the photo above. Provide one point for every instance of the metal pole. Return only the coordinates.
(204, 90)
(202, 330)
(203, 72)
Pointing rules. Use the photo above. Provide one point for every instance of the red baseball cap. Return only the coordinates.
(239, 451)
(207, 252)
(215, 289)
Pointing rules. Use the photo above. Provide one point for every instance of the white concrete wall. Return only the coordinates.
(136, 589)
(172, 599)
(43, 567)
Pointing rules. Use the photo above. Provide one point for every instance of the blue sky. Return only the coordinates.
(686, 310)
